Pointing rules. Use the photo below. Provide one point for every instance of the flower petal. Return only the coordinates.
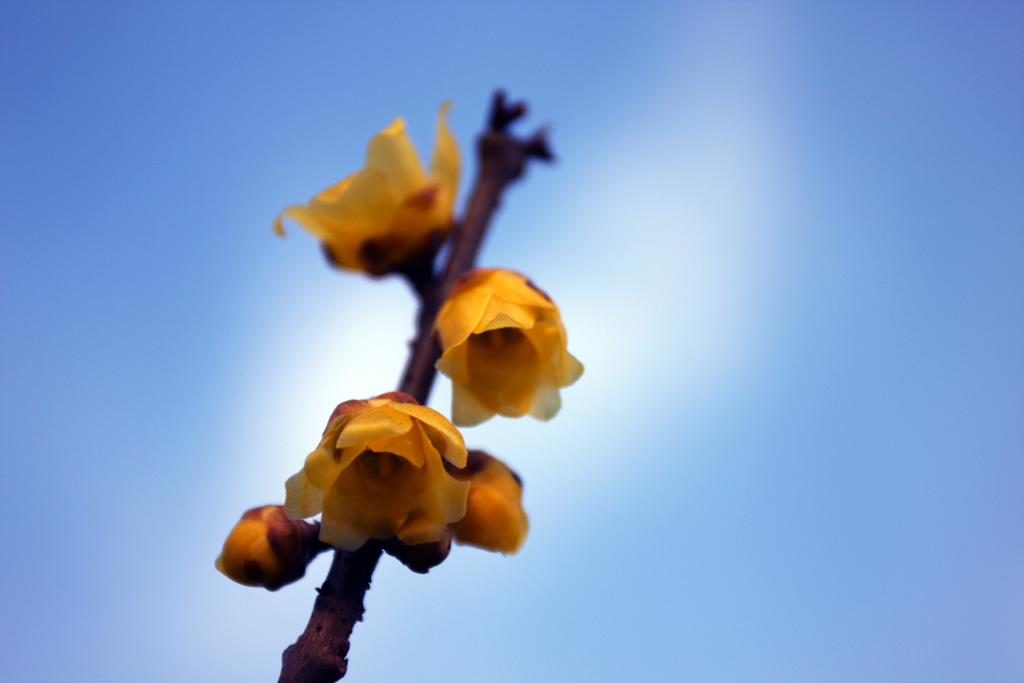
(319, 227)
(323, 466)
(501, 314)
(391, 152)
(546, 402)
(495, 519)
(441, 433)
(444, 160)
(444, 499)
(505, 366)
(460, 315)
(302, 499)
(453, 363)
(336, 527)
(425, 211)
(516, 288)
(420, 528)
(467, 409)
(381, 499)
(374, 424)
(406, 445)
(572, 371)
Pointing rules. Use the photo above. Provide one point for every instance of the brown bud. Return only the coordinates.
(268, 548)
(423, 557)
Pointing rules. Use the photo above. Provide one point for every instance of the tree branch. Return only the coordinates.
(320, 652)
(319, 655)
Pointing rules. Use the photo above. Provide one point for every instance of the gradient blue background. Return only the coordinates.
(787, 240)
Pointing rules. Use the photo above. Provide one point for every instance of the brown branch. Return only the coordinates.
(320, 652)
(502, 161)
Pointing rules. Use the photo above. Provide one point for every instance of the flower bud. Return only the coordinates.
(268, 548)
(495, 519)
(423, 557)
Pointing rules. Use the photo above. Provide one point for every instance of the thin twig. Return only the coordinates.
(319, 655)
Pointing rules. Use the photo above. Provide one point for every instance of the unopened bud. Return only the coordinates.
(423, 557)
(268, 548)
(495, 519)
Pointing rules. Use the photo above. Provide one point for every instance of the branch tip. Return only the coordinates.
(538, 147)
(503, 113)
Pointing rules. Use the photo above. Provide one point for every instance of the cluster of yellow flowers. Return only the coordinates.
(388, 467)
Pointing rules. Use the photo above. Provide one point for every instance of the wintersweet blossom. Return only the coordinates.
(495, 519)
(504, 347)
(266, 548)
(379, 472)
(390, 211)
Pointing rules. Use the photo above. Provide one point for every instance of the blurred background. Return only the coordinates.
(787, 242)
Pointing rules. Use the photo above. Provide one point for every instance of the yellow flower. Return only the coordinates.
(494, 519)
(389, 212)
(379, 472)
(267, 548)
(504, 347)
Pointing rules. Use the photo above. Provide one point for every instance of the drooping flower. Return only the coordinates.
(379, 472)
(267, 548)
(495, 519)
(504, 347)
(390, 212)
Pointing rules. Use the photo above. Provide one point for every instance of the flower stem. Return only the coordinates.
(319, 655)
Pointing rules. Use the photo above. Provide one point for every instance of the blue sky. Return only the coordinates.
(787, 241)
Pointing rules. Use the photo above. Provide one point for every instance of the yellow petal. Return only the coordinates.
(420, 528)
(506, 371)
(444, 497)
(359, 203)
(424, 211)
(493, 521)
(546, 402)
(573, 369)
(460, 315)
(302, 499)
(383, 489)
(374, 424)
(345, 457)
(443, 435)
(515, 288)
(467, 409)
(406, 445)
(339, 524)
(444, 160)
(453, 363)
(319, 228)
(346, 214)
(348, 218)
(501, 314)
(549, 338)
(322, 467)
(391, 152)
